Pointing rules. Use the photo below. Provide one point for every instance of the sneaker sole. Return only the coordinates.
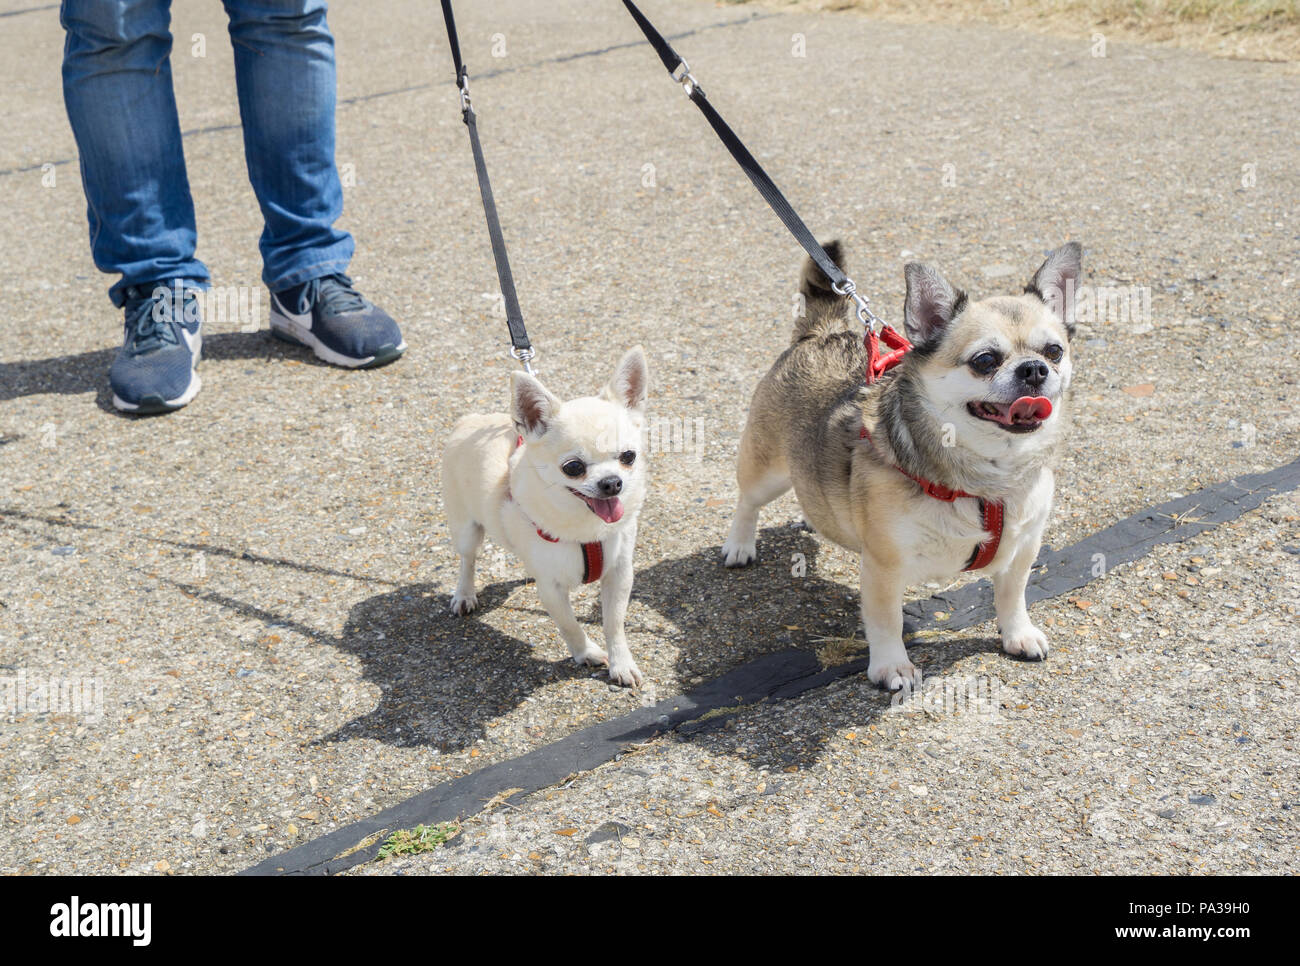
(153, 404)
(287, 330)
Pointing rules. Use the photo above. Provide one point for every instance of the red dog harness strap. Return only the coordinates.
(878, 365)
(593, 561)
(990, 512)
(593, 554)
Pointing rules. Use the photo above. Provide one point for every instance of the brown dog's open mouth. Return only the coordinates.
(1024, 415)
(608, 509)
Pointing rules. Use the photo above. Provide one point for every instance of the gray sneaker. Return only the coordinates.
(154, 369)
(340, 326)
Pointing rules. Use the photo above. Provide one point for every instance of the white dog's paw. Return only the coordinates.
(736, 554)
(1025, 640)
(626, 673)
(462, 604)
(894, 672)
(591, 654)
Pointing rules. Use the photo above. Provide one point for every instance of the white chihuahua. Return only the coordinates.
(560, 485)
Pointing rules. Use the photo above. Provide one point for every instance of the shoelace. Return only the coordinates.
(148, 320)
(335, 293)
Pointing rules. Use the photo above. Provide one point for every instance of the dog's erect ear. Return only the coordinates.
(531, 405)
(931, 303)
(1057, 282)
(630, 382)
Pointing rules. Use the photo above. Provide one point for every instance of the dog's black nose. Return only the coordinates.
(610, 486)
(1033, 372)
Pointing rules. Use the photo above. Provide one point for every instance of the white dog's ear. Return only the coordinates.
(1056, 282)
(630, 383)
(931, 303)
(531, 406)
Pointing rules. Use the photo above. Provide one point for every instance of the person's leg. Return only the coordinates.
(284, 69)
(117, 86)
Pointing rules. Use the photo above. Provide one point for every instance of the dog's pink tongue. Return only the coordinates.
(1028, 408)
(611, 510)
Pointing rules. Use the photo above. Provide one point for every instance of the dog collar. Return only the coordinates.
(990, 511)
(593, 553)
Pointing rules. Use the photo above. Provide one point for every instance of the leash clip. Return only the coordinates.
(462, 85)
(525, 356)
(868, 318)
(682, 74)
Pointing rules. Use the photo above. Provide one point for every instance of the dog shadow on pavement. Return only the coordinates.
(725, 618)
(442, 678)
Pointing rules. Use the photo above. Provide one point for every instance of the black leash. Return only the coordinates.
(681, 72)
(521, 348)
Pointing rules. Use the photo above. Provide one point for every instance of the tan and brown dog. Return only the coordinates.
(978, 406)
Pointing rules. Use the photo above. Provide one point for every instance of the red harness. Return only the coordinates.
(990, 510)
(593, 554)
(878, 365)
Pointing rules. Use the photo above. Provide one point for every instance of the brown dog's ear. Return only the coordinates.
(931, 303)
(1056, 282)
(629, 385)
(531, 405)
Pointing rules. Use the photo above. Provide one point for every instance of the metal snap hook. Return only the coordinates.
(682, 74)
(861, 308)
(524, 356)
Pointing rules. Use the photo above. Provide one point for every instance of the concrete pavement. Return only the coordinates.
(258, 582)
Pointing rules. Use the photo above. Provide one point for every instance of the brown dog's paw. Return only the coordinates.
(1026, 642)
(738, 554)
(462, 604)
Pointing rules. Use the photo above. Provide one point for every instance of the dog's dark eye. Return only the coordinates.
(627, 457)
(985, 362)
(1053, 352)
(574, 468)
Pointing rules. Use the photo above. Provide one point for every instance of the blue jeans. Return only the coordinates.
(117, 86)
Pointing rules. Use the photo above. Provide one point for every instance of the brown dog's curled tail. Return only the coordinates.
(820, 311)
